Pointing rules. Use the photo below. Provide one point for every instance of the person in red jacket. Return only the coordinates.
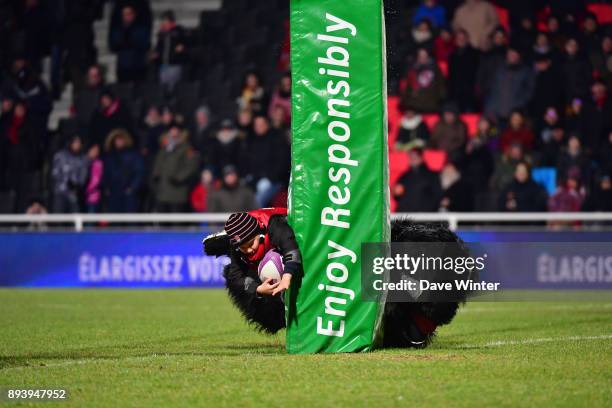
(517, 133)
(246, 238)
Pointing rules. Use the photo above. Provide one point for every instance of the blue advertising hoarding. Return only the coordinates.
(107, 259)
(175, 259)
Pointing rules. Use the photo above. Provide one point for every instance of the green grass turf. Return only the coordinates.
(190, 348)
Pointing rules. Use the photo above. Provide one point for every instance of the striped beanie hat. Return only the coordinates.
(240, 227)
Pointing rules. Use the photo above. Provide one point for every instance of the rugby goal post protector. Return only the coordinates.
(339, 192)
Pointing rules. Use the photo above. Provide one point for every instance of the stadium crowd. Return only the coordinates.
(500, 107)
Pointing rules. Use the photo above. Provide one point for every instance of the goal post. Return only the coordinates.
(339, 192)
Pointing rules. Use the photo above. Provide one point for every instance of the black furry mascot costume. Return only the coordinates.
(405, 324)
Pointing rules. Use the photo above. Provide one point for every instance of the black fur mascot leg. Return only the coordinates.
(265, 313)
(414, 324)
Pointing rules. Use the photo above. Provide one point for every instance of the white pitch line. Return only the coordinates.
(498, 343)
(539, 308)
(501, 343)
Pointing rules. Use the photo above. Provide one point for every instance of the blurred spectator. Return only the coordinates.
(443, 46)
(431, 11)
(151, 132)
(281, 98)
(552, 146)
(547, 90)
(450, 133)
(253, 96)
(479, 19)
(130, 40)
(36, 207)
(512, 87)
(525, 35)
(24, 152)
(457, 193)
(425, 88)
(199, 195)
(174, 169)
(76, 41)
(490, 62)
(505, 166)
(69, 174)
(478, 164)
(261, 161)
(591, 36)
(421, 36)
(278, 123)
(244, 120)
(567, 198)
(557, 36)
(110, 114)
(575, 71)
(201, 135)
(601, 59)
(418, 189)
(542, 48)
(517, 133)
(27, 87)
(600, 198)
(605, 155)
(233, 196)
(88, 97)
(550, 120)
(226, 147)
(123, 173)
(574, 163)
(462, 70)
(36, 26)
(93, 190)
(596, 117)
(170, 51)
(413, 132)
(523, 194)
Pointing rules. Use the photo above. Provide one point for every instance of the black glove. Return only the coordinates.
(217, 244)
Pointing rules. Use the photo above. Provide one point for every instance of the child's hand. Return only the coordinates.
(267, 288)
(283, 284)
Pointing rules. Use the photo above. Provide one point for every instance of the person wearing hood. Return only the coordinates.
(69, 174)
(413, 131)
(174, 170)
(523, 194)
(123, 173)
(512, 87)
(232, 196)
(425, 88)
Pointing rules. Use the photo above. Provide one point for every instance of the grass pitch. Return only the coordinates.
(191, 348)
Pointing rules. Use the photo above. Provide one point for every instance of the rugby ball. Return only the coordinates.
(271, 266)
